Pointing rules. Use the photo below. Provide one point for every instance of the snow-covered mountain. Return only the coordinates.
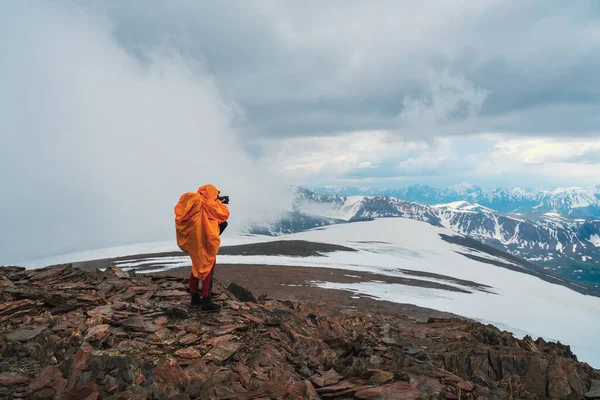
(575, 202)
(563, 245)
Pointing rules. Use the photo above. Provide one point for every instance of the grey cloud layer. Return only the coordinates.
(321, 68)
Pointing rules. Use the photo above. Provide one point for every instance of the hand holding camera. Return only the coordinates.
(223, 199)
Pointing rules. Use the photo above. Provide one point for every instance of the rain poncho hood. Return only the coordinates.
(197, 219)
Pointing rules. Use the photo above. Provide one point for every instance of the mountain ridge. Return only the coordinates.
(562, 244)
(573, 201)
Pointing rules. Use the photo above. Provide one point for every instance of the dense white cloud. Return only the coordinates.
(96, 147)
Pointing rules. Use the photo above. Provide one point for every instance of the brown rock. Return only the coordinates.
(197, 370)
(134, 392)
(139, 324)
(376, 360)
(12, 309)
(429, 387)
(331, 377)
(116, 271)
(80, 360)
(109, 384)
(24, 335)
(220, 339)
(85, 392)
(97, 332)
(311, 393)
(465, 386)
(101, 311)
(222, 351)
(188, 353)
(5, 282)
(168, 371)
(347, 392)
(558, 383)
(382, 377)
(392, 391)
(163, 333)
(529, 344)
(10, 379)
(47, 384)
(344, 385)
(594, 392)
(189, 339)
(171, 293)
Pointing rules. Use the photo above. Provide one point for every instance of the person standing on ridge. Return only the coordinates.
(200, 219)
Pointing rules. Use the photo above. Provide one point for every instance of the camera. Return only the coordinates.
(224, 199)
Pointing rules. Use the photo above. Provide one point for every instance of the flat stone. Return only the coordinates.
(382, 377)
(24, 335)
(88, 391)
(188, 353)
(345, 385)
(311, 393)
(101, 311)
(412, 351)
(116, 271)
(429, 387)
(392, 391)
(10, 379)
(189, 338)
(347, 392)
(594, 392)
(139, 324)
(168, 371)
(48, 383)
(171, 293)
(222, 352)
(97, 332)
(465, 386)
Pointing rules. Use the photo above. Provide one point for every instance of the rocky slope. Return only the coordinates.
(69, 334)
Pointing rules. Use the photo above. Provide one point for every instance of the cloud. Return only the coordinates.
(543, 151)
(367, 164)
(451, 100)
(97, 146)
(489, 160)
(322, 68)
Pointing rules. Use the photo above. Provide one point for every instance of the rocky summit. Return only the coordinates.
(70, 334)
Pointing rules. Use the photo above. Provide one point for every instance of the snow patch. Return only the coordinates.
(595, 240)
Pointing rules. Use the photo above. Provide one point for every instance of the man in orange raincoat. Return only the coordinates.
(200, 218)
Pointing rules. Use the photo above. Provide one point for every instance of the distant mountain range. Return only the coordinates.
(558, 230)
(575, 202)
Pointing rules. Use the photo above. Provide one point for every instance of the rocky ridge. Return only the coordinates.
(70, 334)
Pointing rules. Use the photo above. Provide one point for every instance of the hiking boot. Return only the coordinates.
(207, 305)
(196, 300)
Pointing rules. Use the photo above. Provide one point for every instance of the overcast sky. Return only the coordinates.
(109, 110)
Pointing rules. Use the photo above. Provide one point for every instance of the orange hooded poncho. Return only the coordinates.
(197, 219)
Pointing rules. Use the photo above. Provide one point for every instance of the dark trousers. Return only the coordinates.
(207, 284)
